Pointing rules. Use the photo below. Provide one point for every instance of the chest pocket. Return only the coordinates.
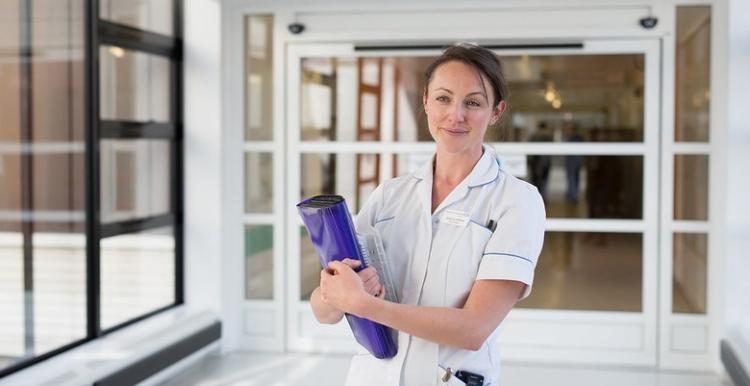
(463, 263)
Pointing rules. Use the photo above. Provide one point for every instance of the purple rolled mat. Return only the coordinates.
(332, 233)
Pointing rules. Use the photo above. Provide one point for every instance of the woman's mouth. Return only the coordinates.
(455, 131)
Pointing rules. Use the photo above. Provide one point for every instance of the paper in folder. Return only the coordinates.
(332, 233)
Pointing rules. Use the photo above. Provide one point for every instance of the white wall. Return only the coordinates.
(203, 156)
(737, 240)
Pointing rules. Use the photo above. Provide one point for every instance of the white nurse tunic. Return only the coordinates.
(436, 257)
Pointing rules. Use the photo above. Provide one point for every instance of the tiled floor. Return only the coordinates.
(246, 369)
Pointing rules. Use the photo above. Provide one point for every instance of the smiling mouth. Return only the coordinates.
(455, 131)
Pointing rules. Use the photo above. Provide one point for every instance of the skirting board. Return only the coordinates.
(734, 366)
(162, 359)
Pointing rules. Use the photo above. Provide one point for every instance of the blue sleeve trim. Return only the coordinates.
(509, 254)
(384, 219)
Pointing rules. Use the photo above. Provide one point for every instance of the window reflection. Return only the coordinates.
(259, 83)
(692, 73)
(588, 186)
(135, 179)
(690, 187)
(573, 186)
(689, 273)
(353, 176)
(134, 86)
(588, 271)
(309, 266)
(137, 274)
(151, 15)
(259, 262)
(258, 183)
(380, 99)
(42, 186)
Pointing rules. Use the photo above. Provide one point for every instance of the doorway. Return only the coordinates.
(583, 126)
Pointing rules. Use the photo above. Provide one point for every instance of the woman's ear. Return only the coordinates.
(499, 110)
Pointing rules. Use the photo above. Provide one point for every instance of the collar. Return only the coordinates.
(484, 172)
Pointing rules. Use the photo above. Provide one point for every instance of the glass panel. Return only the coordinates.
(59, 287)
(589, 186)
(689, 273)
(259, 82)
(42, 238)
(137, 275)
(588, 271)
(692, 74)
(58, 181)
(134, 86)
(135, 179)
(616, 181)
(259, 262)
(258, 183)
(151, 15)
(691, 187)
(309, 266)
(571, 98)
(353, 176)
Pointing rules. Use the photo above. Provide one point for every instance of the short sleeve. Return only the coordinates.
(514, 247)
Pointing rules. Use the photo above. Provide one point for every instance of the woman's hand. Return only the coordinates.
(344, 289)
(369, 277)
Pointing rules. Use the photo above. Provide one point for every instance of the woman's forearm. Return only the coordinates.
(454, 327)
(324, 313)
(467, 327)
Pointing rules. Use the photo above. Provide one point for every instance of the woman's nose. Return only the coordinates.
(458, 113)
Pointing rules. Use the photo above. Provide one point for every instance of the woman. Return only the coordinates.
(462, 238)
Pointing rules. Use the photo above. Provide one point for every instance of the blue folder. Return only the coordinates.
(332, 233)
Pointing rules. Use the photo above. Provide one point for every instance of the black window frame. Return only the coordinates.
(100, 32)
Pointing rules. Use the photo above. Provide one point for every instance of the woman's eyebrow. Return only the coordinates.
(469, 94)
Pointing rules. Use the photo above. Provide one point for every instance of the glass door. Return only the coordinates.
(582, 125)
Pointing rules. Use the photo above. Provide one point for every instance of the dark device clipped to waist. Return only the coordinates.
(469, 378)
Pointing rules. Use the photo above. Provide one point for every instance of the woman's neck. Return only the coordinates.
(451, 168)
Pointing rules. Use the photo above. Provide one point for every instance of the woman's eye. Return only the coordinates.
(443, 98)
(473, 103)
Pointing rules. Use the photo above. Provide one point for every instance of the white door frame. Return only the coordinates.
(592, 336)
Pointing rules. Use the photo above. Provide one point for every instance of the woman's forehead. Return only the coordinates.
(457, 76)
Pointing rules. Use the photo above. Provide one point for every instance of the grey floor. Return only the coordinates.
(256, 369)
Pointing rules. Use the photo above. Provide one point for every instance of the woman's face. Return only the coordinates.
(458, 108)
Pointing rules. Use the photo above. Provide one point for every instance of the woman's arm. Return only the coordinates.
(326, 313)
(468, 327)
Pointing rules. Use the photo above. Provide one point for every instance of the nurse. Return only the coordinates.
(461, 235)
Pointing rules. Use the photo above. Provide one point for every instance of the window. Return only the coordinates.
(90, 165)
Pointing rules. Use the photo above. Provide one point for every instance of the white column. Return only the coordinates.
(737, 243)
(203, 157)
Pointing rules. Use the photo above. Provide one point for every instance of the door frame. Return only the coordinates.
(305, 334)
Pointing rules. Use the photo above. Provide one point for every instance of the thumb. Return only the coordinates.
(337, 266)
(352, 263)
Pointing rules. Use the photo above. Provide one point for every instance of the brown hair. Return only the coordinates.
(481, 59)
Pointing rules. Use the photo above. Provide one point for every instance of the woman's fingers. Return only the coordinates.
(368, 273)
(372, 288)
(381, 293)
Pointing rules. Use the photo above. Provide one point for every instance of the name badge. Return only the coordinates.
(455, 217)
